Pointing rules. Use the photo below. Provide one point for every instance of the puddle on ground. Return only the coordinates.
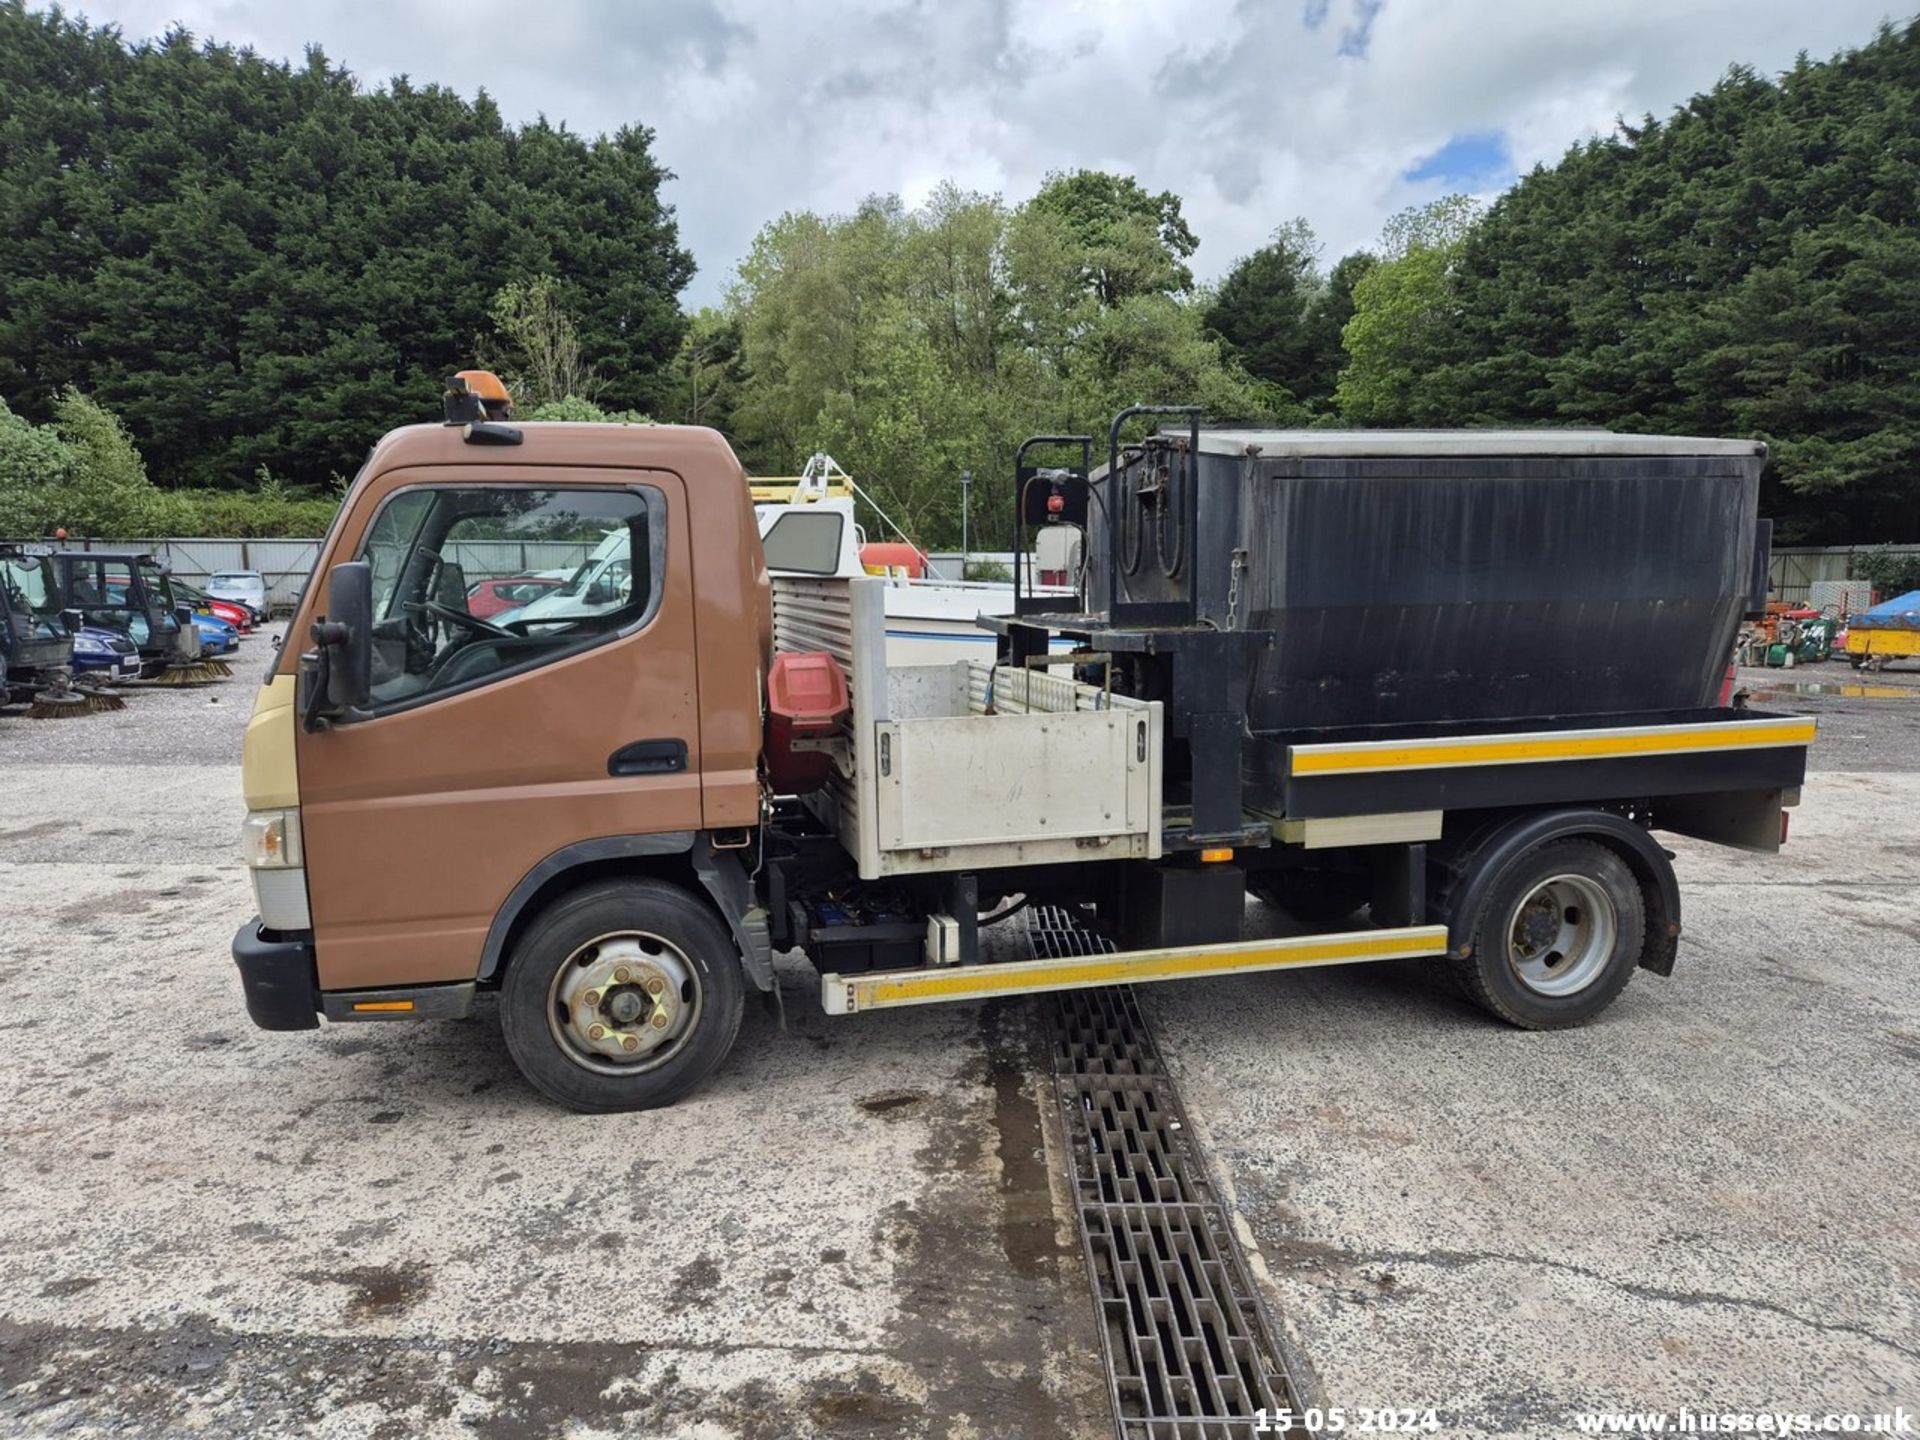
(1829, 687)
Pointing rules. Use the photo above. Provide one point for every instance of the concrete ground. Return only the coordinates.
(857, 1229)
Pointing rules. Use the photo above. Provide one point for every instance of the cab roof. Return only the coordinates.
(688, 450)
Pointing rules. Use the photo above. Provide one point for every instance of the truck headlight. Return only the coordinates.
(270, 846)
(270, 840)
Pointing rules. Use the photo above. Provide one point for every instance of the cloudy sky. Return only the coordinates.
(1254, 111)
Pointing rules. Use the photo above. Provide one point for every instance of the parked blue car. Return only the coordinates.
(103, 654)
(217, 637)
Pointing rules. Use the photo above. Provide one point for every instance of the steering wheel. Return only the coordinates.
(462, 618)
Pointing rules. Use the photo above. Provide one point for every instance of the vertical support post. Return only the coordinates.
(963, 903)
(966, 488)
(1400, 884)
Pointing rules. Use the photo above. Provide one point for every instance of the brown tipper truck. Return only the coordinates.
(1433, 694)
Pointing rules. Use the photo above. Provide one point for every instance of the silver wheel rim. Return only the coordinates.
(1562, 935)
(624, 1003)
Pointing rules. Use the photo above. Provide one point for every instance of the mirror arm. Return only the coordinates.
(327, 634)
(314, 717)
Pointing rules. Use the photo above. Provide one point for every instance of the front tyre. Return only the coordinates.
(624, 995)
(1558, 940)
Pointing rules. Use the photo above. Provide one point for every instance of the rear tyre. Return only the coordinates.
(624, 995)
(1313, 897)
(1562, 930)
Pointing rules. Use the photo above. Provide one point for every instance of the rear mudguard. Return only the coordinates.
(1467, 871)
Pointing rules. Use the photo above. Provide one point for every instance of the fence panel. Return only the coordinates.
(492, 559)
(1795, 569)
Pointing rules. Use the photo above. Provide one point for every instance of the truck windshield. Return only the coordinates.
(159, 594)
(428, 546)
(31, 596)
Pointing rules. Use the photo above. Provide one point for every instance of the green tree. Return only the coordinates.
(1748, 265)
(541, 360)
(1889, 573)
(81, 473)
(1283, 319)
(1128, 240)
(707, 371)
(257, 263)
(1404, 309)
(916, 344)
(574, 407)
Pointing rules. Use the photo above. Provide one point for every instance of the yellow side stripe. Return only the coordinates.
(1532, 749)
(970, 982)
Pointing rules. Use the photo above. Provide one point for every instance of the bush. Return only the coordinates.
(36, 467)
(242, 515)
(83, 474)
(572, 407)
(1888, 572)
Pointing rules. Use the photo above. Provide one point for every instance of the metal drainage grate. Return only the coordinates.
(1190, 1351)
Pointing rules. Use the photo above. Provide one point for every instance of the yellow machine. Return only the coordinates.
(822, 479)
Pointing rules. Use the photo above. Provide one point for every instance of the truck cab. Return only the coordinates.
(407, 827)
(129, 591)
(34, 636)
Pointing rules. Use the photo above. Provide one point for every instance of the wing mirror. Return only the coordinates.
(338, 671)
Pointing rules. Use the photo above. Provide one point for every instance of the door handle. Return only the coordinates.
(649, 757)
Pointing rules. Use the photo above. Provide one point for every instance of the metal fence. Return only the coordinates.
(285, 564)
(1796, 569)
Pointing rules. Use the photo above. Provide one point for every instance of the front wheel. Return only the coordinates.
(624, 995)
(1558, 940)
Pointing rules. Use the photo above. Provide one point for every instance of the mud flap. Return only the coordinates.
(726, 881)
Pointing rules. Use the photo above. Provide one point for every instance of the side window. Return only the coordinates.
(805, 542)
(432, 548)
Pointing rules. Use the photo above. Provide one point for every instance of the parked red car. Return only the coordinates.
(231, 611)
(490, 597)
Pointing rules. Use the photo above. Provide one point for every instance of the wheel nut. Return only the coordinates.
(655, 985)
(592, 997)
(630, 1043)
(659, 1019)
(598, 1032)
(622, 975)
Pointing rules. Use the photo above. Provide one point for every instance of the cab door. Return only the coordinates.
(491, 743)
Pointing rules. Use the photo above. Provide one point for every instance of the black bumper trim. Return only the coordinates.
(278, 977)
(424, 1002)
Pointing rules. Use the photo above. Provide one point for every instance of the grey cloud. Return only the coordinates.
(1252, 110)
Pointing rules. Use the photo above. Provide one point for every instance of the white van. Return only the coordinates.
(602, 582)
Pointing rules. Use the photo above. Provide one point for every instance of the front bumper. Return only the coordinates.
(283, 992)
(278, 976)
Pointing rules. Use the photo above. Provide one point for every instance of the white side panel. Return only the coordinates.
(867, 614)
(980, 780)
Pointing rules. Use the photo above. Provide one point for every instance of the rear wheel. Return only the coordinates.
(624, 995)
(1562, 930)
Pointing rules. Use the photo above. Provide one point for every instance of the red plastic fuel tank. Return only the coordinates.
(807, 699)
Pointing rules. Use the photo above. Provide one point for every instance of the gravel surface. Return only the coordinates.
(1867, 721)
(857, 1229)
(161, 725)
(1702, 1200)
